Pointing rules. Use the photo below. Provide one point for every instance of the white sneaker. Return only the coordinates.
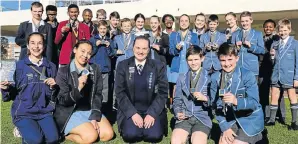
(16, 132)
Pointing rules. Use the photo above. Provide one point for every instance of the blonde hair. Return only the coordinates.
(284, 22)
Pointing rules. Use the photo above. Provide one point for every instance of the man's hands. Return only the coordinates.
(228, 136)
(229, 98)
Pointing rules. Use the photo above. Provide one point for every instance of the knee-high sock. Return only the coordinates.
(273, 110)
(294, 108)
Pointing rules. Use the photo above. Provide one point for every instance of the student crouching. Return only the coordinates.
(33, 94)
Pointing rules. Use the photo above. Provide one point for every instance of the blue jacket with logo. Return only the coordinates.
(184, 101)
(31, 96)
(248, 113)
(249, 56)
(285, 68)
(211, 58)
(179, 55)
(101, 54)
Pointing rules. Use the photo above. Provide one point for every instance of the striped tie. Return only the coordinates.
(140, 68)
(281, 46)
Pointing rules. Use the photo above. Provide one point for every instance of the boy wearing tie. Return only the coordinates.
(210, 42)
(236, 95)
(249, 43)
(285, 71)
(101, 53)
(191, 102)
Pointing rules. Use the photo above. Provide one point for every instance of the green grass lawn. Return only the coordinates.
(278, 134)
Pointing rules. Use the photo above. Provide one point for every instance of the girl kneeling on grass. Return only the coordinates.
(78, 109)
(32, 94)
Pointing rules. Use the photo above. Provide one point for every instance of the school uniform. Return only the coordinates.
(228, 31)
(211, 61)
(144, 92)
(32, 105)
(285, 71)
(101, 56)
(198, 32)
(179, 62)
(28, 27)
(68, 39)
(92, 28)
(75, 107)
(266, 69)
(55, 48)
(184, 102)
(125, 44)
(163, 42)
(246, 119)
(114, 34)
(248, 56)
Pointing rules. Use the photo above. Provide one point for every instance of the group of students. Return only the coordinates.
(206, 72)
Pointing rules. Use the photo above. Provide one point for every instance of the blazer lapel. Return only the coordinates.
(202, 80)
(251, 34)
(217, 37)
(287, 46)
(29, 27)
(130, 77)
(186, 83)
(150, 78)
(236, 79)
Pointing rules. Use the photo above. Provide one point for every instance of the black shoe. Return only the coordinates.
(294, 126)
(282, 121)
(269, 123)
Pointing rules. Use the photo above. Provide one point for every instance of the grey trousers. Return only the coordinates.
(105, 87)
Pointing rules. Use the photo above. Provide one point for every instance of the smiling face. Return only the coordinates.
(114, 22)
(82, 53)
(154, 24)
(51, 15)
(246, 22)
(228, 62)
(126, 27)
(194, 61)
(141, 49)
(102, 30)
(73, 13)
(269, 28)
(169, 22)
(231, 21)
(200, 22)
(140, 23)
(37, 12)
(213, 25)
(184, 22)
(284, 31)
(35, 46)
(87, 16)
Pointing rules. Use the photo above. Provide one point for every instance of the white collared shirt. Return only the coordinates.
(36, 63)
(33, 25)
(141, 63)
(285, 40)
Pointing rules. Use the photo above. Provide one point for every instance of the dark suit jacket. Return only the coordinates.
(25, 29)
(157, 92)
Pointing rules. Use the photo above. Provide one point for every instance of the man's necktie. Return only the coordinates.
(194, 74)
(140, 68)
(245, 33)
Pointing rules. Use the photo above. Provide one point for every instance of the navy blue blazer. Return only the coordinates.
(249, 56)
(25, 29)
(248, 113)
(157, 89)
(285, 68)
(211, 58)
(185, 102)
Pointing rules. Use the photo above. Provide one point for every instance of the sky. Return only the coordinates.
(9, 5)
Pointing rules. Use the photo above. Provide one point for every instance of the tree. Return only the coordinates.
(4, 46)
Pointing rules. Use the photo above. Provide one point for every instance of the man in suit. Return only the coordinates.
(142, 91)
(69, 32)
(36, 24)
